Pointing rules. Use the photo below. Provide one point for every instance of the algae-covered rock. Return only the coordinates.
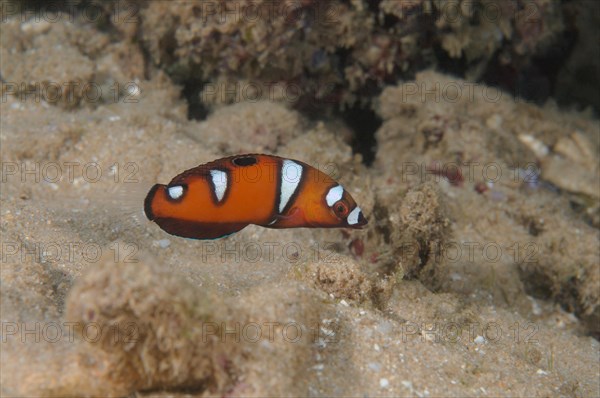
(507, 222)
(58, 61)
(248, 127)
(344, 52)
(340, 277)
(158, 331)
(476, 275)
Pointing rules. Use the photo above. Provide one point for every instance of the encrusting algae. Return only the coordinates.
(477, 273)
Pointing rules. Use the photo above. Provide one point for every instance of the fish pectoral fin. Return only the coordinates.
(198, 230)
(293, 218)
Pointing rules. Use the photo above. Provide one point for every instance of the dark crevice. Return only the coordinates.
(423, 253)
(341, 57)
(373, 5)
(390, 21)
(86, 10)
(531, 79)
(448, 64)
(361, 120)
(536, 283)
(191, 92)
(192, 389)
(531, 225)
(364, 122)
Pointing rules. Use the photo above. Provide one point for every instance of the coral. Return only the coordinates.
(249, 128)
(516, 29)
(488, 141)
(478, 269)
(335, 52)
(61, 63)
(419, 229)
(341, 277)
(161, 333)
(160, 325)
(317, 55)
(575, 81)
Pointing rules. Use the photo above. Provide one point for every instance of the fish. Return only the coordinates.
(222, 197)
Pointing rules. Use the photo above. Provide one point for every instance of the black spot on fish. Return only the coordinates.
(245, 161)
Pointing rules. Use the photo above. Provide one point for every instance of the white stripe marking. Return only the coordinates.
(353, 216)
(176, 192)
(334, 195)
(291, 174)
(219, 180)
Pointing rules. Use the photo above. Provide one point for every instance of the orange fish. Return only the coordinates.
(220, 198)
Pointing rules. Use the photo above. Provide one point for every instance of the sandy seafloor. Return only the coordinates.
(487, 285)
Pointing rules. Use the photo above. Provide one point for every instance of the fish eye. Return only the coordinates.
(341, 209)
(244, 161)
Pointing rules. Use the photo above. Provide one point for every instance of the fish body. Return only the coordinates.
(219, 198)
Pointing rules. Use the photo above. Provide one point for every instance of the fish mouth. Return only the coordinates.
(358, 225)
(362, 221)
(356, 221)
